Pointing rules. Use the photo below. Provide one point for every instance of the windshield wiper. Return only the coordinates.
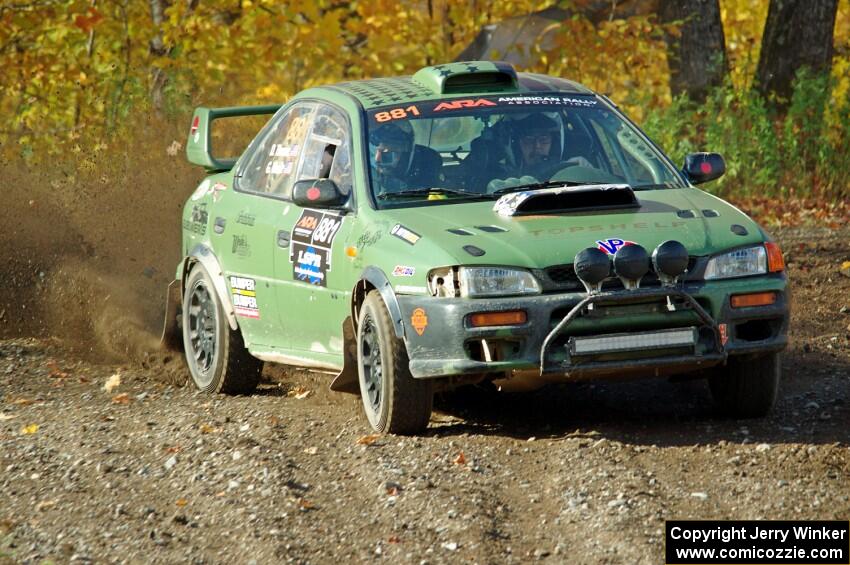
(546, 184)
(428, 191)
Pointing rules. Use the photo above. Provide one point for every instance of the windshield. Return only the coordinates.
(483, 147)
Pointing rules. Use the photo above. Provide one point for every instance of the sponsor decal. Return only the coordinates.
(311, 264)
(405, 234)
(313, 193)
(246, 219)
(459, 104)
(368, 238)
(312, 240)
(278, 167)
(612, 244)
(201, 191)
(405, 289)
(243, 294)
(419, 320)
(507, 205)
(548, 101)
(206, 188)
(199, 214)
(281, 150)
(240, 246)
(595, 227)
(216, 190)
(396, 114)
(197, 223)
(403, 271)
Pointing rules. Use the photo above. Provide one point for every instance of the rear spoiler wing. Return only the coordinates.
(198, 146)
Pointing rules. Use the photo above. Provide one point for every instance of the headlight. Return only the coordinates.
(738, 263)
(496, 281)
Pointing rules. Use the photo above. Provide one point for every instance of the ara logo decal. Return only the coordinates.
(458, 104)
(612, 244)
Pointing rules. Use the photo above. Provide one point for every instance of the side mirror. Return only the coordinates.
(317, 193)
(703, 167)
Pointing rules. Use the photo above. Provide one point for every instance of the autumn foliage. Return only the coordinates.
(83, 77)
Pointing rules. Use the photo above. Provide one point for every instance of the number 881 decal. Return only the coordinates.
(312, 239)
(396, 114)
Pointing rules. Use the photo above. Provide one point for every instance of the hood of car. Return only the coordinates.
(474, 233)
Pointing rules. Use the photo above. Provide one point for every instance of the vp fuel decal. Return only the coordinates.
(243, 293)
(312, 240)
(612, 244)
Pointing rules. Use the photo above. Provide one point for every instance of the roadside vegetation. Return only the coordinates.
(88, 82)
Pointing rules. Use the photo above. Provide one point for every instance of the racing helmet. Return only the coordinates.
(530, 127)
(391, 148)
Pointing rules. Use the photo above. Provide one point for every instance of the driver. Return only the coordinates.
(398, 163)
(537, 138)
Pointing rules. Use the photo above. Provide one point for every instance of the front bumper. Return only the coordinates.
(441, 342)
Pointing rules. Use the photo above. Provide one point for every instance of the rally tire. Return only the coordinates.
(748, 386)
(394, 402)
(216, 355)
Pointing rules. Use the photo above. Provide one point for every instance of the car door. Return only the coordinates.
(315, 273)
(255, 226)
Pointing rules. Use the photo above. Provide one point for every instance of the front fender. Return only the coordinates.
(379, 280)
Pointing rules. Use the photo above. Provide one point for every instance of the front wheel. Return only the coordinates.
(747, 387)
(216, 355)
(393, 400)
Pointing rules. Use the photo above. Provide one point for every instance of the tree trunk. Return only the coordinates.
(697, 57)
(157, 48)
(797, 33)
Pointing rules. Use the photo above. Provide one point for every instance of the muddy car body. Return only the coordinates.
(469, 224)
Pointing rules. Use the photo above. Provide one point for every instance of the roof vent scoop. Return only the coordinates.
(479, 77)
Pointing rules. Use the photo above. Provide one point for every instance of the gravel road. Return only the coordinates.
(146, 470)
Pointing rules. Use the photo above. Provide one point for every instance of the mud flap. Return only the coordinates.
(347, 380)
(172, 337)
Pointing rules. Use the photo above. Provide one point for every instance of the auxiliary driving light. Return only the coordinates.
(631, 263)
(670, 260)
(592, 266)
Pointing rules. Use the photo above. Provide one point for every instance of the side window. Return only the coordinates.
(272, 168)
(327, 151)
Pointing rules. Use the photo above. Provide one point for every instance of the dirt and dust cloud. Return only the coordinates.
(90, 241)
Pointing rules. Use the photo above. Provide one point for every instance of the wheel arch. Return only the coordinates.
(372, 278)
(205, 256)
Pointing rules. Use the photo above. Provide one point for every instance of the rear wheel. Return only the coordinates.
(747, 387)
(393, 400)
(216, 355)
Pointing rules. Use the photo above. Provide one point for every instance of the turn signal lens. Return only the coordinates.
(775, 262)
(484, 319)
(757, 299)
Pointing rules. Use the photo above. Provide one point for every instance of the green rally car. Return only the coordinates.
(468, 224)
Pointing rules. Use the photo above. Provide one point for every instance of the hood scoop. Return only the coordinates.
(566, 199)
